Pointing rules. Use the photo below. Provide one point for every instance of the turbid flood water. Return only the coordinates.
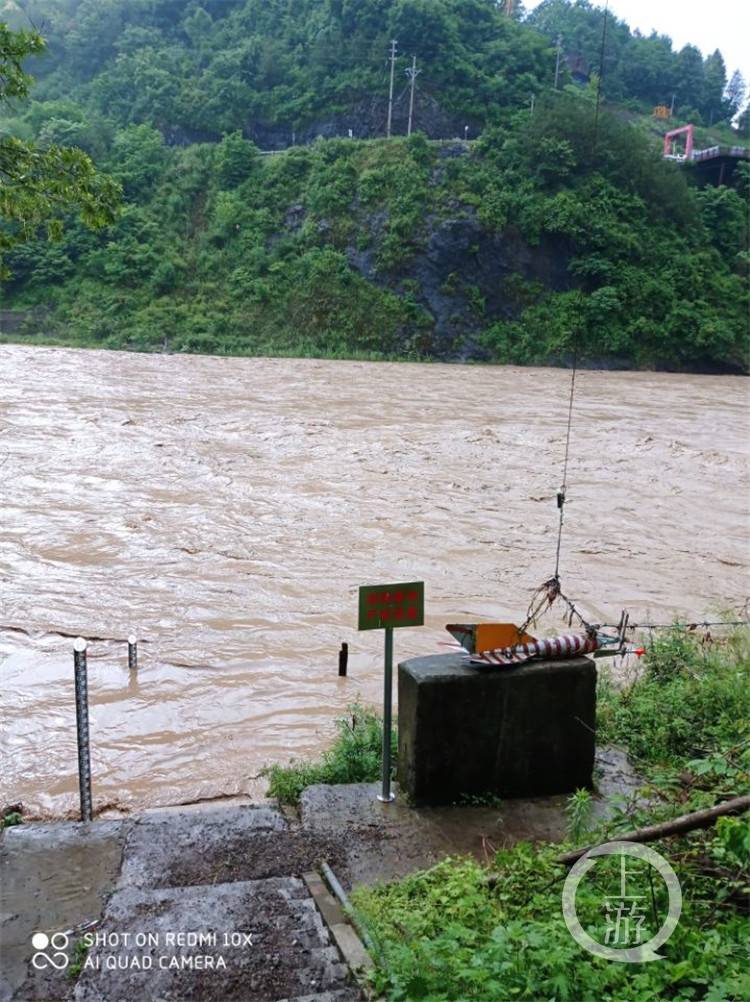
(225, 510)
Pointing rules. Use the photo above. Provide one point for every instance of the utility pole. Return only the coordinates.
(557, 62)
(394, 43)
(671, 109)
(601, 74)
(412, 72)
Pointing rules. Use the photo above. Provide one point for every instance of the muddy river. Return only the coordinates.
(225, 511)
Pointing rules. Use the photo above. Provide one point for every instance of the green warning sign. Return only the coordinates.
(392, 605)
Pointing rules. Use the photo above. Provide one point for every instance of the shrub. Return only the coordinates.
(688, 701)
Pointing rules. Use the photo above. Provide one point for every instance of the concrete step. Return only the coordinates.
(220, 846)
(289, 953)
(216, 872)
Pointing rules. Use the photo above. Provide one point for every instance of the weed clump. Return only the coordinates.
(356, 756)
(690, 701)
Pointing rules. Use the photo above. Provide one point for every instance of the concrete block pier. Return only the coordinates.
(524, 731)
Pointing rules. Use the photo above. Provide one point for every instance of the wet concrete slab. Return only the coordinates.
(184, 849)
(387, 841)
(53, 878)
(220, 874)
(176, 848)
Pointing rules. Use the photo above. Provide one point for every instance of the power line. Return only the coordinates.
(601, 74)
(563, 490)
(681, 626)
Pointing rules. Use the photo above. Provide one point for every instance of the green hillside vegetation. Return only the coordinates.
(221, 65)
(225, 65)
(556, 229)
(641, 71)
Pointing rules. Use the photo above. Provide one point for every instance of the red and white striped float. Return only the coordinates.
(567, 645)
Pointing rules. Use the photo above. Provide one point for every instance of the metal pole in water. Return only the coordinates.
(82, 727)
(386, 796)
(132, 652)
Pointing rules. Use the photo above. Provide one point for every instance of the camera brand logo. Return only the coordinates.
(51, 951)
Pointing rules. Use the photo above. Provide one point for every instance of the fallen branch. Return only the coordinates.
(677, 826)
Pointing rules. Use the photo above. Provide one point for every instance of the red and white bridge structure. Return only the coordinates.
(719, 159)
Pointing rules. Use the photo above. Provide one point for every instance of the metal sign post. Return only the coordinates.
(82, 727)
(384, 607)
(386, 796)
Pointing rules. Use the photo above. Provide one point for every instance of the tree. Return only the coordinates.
(197, 26)
(235, 158)
(421, 27)
(582, 26)
(715, 82)
(39, 185)
(743, 124)
(724, 214)
(735, 93)
(648, 69)
(689, 84)
(139, 157)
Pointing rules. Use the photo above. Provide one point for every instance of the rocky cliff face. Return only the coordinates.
(365, 119)
(462, 275)
(466, 278)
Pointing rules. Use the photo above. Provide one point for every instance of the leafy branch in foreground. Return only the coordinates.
(14, 47)
(38, 186)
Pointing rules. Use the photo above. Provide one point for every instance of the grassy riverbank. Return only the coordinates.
(465, 931)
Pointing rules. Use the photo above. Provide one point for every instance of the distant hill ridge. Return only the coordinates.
(554, 226)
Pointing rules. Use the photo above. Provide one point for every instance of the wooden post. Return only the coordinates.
(343, 660)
